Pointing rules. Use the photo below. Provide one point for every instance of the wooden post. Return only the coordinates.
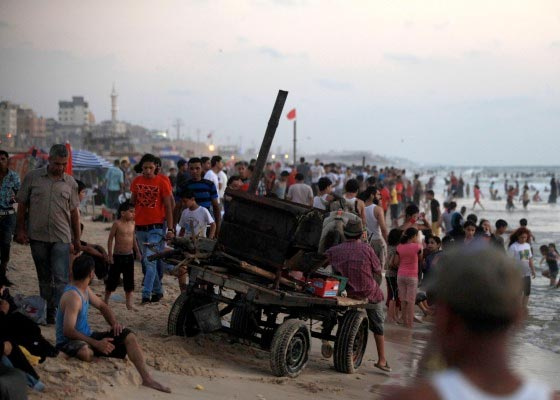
(295, 141)
(267, 140)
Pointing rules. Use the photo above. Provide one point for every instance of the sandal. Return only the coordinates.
(384, 368)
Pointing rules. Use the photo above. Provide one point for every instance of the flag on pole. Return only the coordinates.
(291, 114)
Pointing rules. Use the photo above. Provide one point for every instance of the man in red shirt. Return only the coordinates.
(385, 197)
(153, 204)
(358, 262)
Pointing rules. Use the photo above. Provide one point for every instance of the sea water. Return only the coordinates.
(536, 347)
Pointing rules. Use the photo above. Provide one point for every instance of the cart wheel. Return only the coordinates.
(181, 321)
(351, 341)
(243, 320)
(290, 348)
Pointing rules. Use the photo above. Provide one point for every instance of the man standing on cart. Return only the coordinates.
(358, 262)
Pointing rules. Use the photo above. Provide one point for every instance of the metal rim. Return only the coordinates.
(296, 353)
(359, 344)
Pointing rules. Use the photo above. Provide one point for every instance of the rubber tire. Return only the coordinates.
(242, 323)
(292, 332)
(181, 320)
(354, 326)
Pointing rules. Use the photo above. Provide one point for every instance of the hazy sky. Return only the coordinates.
(461, 82)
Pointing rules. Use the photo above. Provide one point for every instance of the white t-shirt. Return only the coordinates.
(300, 193)
(200, 218)
(341, 181)
(222, 179)
(334, 178)
(522, 254)
(212, 177)
(317, 171)
(320, 202)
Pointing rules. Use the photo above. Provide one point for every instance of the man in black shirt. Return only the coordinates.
(435, 211)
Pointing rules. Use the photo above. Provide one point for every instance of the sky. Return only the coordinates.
(472, 82)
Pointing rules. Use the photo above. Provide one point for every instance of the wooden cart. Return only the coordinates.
(280, 321)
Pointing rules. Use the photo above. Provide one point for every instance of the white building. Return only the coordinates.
(8, 123)
(75, 112)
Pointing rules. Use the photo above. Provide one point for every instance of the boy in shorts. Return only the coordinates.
(550, 258)
(121, 257)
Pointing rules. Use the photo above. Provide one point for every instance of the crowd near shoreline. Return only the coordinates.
(393, 229)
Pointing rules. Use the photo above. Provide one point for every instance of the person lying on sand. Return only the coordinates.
(73, 333)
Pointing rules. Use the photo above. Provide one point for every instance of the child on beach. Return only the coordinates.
(525, 198)
(324, 196)
(552, 263)
(520, 250)
(391, 268)
(409, 252)
(121, 257)
(195, 215)
(477, 195)
(433, 253)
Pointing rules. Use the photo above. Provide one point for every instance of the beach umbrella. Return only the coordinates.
(83, 160)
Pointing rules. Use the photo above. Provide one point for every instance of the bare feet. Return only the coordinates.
(130, 307)
(156, 385)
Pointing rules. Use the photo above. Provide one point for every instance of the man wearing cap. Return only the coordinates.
(357, 261)
(477, 304)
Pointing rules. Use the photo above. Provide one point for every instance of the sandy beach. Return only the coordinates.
(216, 366)
(209, 366)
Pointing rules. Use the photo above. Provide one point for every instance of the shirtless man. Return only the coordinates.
(121, 257)
(74, 336)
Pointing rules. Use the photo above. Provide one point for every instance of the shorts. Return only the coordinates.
(122, 264)
(526, 286)
(7, 227)
(435, 229)
(392, 288)
(72, 347)
(420, 297)
(394, 211)
(408, 286)
(376, 317)
(380, 249)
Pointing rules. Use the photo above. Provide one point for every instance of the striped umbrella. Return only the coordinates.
(83, 159)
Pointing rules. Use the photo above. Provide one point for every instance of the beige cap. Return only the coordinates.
(481, 285)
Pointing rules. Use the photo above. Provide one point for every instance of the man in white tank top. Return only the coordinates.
(376, 226)
(478, 305)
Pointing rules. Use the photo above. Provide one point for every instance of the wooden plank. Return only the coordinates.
(267, 140)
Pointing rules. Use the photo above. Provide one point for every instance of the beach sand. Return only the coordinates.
(215, 366)
(215, 363)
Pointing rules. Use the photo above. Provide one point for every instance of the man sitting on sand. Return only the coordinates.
(474, 321)
(74, 336)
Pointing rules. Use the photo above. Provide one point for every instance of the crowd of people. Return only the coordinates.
(389, 223)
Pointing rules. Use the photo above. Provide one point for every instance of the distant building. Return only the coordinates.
(74, 119)
(31, 129)
(75, 112)
(8, 124)
(109, 136)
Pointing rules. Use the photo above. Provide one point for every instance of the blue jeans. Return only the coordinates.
(52, 262)
(32, 382)
(152, 283)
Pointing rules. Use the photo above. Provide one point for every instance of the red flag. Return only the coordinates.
(69, 164)
(291, 114)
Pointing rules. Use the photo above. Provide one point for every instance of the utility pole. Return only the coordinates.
(178, 124)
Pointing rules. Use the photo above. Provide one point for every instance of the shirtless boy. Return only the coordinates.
(121, 257)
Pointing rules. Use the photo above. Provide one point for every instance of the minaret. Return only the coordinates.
(114, 106)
